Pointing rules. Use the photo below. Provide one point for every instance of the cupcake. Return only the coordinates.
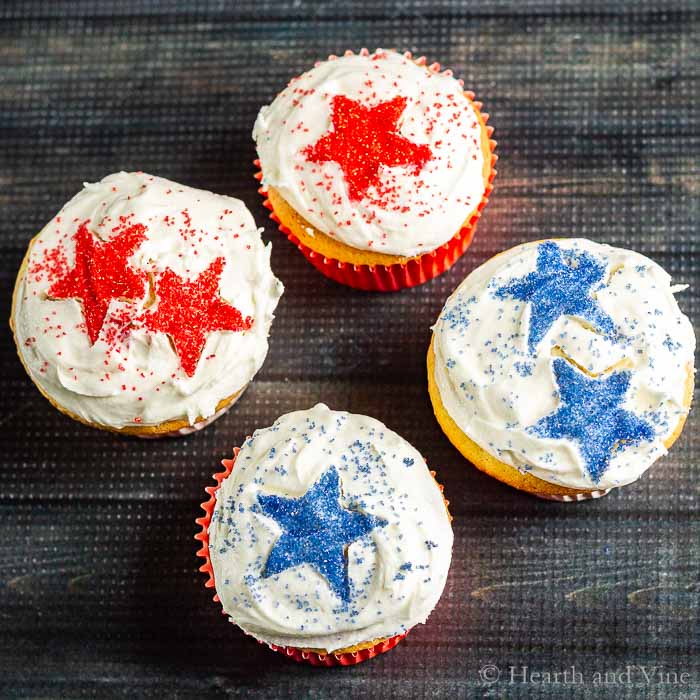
(377, 167)
(563, 367)
(327, 537)
(144, 306)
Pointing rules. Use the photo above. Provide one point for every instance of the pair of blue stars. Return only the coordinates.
(316, 530)
(590, 411)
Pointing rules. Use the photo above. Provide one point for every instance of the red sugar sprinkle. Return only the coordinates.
(101, 273)
(365, 138)
(52, 263)
(188, 310)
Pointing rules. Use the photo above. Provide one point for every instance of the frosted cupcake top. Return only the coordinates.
(144, 300)
(567, 359)
(330, 531)
(376, 151)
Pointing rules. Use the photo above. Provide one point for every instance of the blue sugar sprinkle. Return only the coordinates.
(672, 346)
(559, 287)
(430, 544)
(524, 369)
(590, 414)
(408, 461)
(316, 530)
(458, 315)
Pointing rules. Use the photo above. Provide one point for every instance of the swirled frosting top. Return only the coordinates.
(567, 359)
(330, 531)
(376, 151)
(144, 301)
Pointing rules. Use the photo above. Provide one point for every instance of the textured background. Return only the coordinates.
(595, 106)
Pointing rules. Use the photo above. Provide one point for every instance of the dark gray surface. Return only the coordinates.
(595, 109)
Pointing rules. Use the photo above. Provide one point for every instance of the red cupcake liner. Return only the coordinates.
(391, 278)
(300, 655)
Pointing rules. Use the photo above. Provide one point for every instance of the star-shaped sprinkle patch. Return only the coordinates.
(188, 310)
(559, 287)
(102, 273)
(316, 530)
(363, 139)
(591, 415)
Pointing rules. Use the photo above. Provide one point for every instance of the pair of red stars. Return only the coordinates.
(186, 310)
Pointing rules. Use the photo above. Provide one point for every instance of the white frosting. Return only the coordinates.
(423, 211)
(133, 376)
(397, 572)
(495, 389)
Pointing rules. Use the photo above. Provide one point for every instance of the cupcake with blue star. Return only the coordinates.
(328, 537)
(563, 367)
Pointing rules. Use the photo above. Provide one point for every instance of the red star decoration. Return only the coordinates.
(188, 310)
(365, 138)
(101, 273)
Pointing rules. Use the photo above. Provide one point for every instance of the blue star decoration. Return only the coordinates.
(316, 530)
(590, 414)
(560, 287)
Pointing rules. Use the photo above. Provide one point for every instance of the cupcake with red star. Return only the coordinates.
(144, 306)
(377, 167)
(326, 538)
